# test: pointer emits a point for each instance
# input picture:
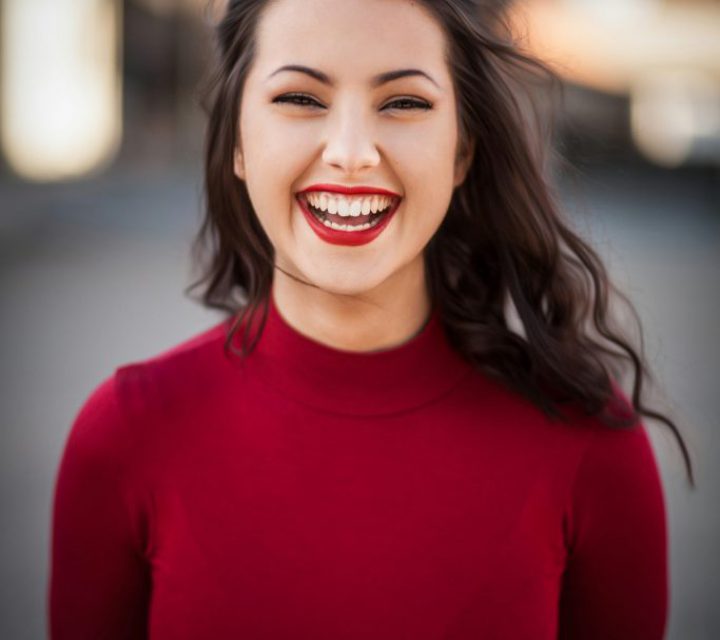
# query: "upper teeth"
(348, 205)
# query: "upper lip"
(338, 188)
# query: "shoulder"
(579, 449)
(616, 539)
(617, 490)
(616, 460)
(137, 396)
(183, 373)
(616, 456)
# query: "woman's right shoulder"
(154, 388)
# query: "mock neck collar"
(370, 383)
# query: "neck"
(387, 316)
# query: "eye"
(403, 104)
(411, 102)
(299, 99)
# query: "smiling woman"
(424, 436)
(385, 121)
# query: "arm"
(616, 581)
(99, 582)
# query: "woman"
(369, 446)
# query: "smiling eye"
(302, 100)
(299, 99)
(414, 104)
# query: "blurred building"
(84, 81)
(643, 72)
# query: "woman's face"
(349, 131)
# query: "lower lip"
(352, 238)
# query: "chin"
(346, 286)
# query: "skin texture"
(373, 296)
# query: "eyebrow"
(376, 81)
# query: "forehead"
(350, 37)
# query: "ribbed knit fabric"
(316, 493)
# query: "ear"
(238, 164)
(463, 161)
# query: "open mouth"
(349, 218)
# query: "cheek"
(427, 173)
(280, 139)
(426, 151)
(281, 160)
(429, 190)
(275, 159)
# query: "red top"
(324, 494)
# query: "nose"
(350, 143)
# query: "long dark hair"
(503, 251)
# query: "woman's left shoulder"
(617, 459)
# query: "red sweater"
(323, 494)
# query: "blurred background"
(101, 194)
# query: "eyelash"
(292, 98)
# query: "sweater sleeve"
(616, 580)
(99, 584)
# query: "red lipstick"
(350, 191)
(343, 237)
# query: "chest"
(394, 537)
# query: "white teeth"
(350, 227)
(348, 205)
